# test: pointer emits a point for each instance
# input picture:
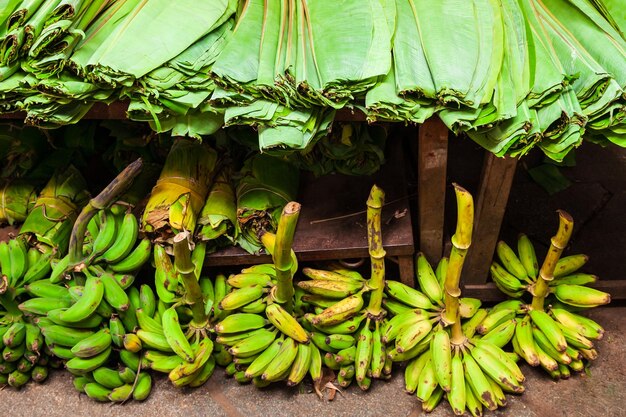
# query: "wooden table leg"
(490, 205)
(407, 271)
(431, 189)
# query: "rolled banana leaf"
(266, 185)
(350, 148)
(57, 207)
(17, 199)
(180, 192)
(218, 219)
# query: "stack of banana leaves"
(512, 75)
(265, 186)
(350, 148)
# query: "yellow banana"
(569, 264)
(286, 323)
(340, 311)
(580, 296)
(549, 328)
(526, 342)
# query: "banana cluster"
(519, 272)
(21, 264)
(417, 313)
(266, 343)
(557, 338)
(24, 355)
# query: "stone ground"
(596, 199)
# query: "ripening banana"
(175, 336)
(286, 323)
(124, 241)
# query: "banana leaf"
(265, 186)
(17, 199)
(350, 148)
(57, 206)
(218, 219)
(141, 45)
(22, 150)
(614, 12)
(180, 192)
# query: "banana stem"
(281, 255)
(557, 244)
(457, 337)
(103, 200)
(185, 267)
(376, 282)
(461, 241)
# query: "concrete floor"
(601, 393)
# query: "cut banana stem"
(375, 204)
(103, 200)
(281, 254)
(186, 269)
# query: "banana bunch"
(24, 355)
(518, 273)
(268, 346)
(21, 264)
(417, 313)
(555, 338)
(112, 239)
(472, 373)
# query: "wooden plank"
(407, 270)
(490, 205)
(431, 189)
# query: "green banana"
(107, 377)
(64, 336)
(569, 264)
(282, 362)
(46, 289)
(510, 261)
(135, 260)
(427, 382)
(154, 340)
(147, 300)
(580, 296)
(117, 331)
(583, 325)
(468, 307)
(203, 374)
(241, 296)
(34, 338)
(121, 394)
(457, 396)
(13, 354)
(255, 307)
(525, 341)
(127, 375)
(549, 328)
(501, 334)
(340, 311)
(93, 345)
(441, 356)
(41, 306)
(396, 324)
(130, 359)
(15, 334)
(331, 289)
(18, 255)
(494, 319)
(579, 278)
(428, 280)
(88, 302)
(17, 379)
(38, 270)
(379, 354)
(114, 294)
(243, 280)
(257, 367)
(363, 354)
(106, 235)
(527, 256)
(97, 392)
(286, 323)
(407, 295)
(253, 345)
(411, 335)
(478, 382)
(143, 386)
(81, 366)
(161, 362)
(147, 323)
(300, 365)
(202, 354)
(39, 373)
(505, 374)
(175, 336)
(413, 370)
(124, 241)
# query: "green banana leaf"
(57, 206)
(18, 198)
(265, 186)
(218, 219)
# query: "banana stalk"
(186, 269)
(546, 273)
(375, 204)
(281, 255)
(102, 201)
(219, 215)
(461, 241)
